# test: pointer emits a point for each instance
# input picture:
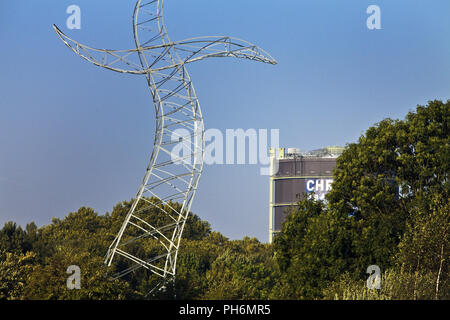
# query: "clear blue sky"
(73, 135)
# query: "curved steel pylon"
(168, 179)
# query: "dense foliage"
(388, 207)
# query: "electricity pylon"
(170, 181)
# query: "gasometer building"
(294, 174)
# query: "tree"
(15, 270)
(243, 270)
(365, 189)
(397, 284)
(12, 237)
(381, 201)
(381, 179)
(312, 249)
(425, 248)
(49, 281)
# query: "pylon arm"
(189, 50)
(195, 49)
(123, 61)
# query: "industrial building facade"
(294, 174)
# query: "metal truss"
(170, 183)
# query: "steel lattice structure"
(167, 180)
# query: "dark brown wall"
(306, 166)
(289, 190)
(280, 216)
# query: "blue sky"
(74, 135)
